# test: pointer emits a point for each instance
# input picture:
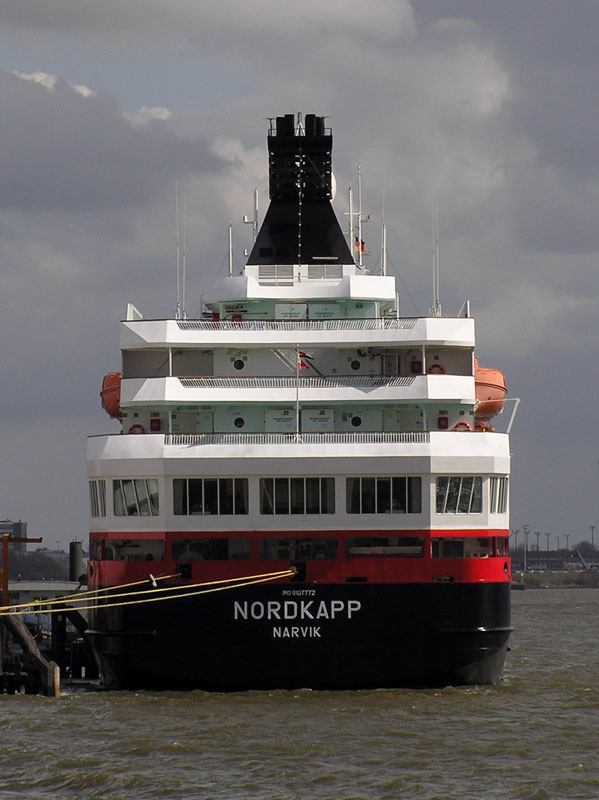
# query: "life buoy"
(462, 426)
(137, 428)
(436, 369)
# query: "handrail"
(290, 382)
(410, 437)
(298, 324)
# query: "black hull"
(301, 636)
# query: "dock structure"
(33, 654)
(27, 670)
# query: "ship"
(307, 488)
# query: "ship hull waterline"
(292, 636)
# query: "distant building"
(16, 529)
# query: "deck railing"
(298, 324)
(291, 382)
(412, 437)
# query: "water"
(533, 737)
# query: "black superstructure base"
(312, 636)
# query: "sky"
(108, 105)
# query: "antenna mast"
(183, 300)
(436, 308)
(360, 259)
(352, 235)
(254, 221)
(178, 299)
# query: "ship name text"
(295, 609)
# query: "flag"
(302, 360)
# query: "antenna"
(178, 303)
(352, 242)
(300, 192)
(183, 301)
(254, 221)
(384, 233)
(360, 260)
(230, 250)
(436, 308)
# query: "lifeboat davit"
(490, 390)
(111, 395)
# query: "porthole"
(238, 363)
(356, 421)
(239, 422)
(356, 365)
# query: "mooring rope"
(215, 586)
(88, 594)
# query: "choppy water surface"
(534, 737)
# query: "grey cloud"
(63, 151)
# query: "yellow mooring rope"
(179, 593)
(88, 594)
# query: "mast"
(360, 254)
(177, 260)
(183, 266)
(436, 308)
(352, 235)
(254, 221)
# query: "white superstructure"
(377, 394)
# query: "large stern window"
(297, 495)
(210, 496)
(459, 495)
(384, 495)
(135, 497)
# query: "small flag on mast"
(301, 363)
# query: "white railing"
(413, 437)
(297, 324)
(291, 382)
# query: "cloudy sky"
(108, 104)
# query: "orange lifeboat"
(111, 395)
(490, 390)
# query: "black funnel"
(300, 226)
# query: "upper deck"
(262, 332)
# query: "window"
(95, 549)
(297, 495)
(210, 549)
(97, 497)
(210, 496)
(447, 548)
(132, 549)
(135, 497)
(397, 495)
(406, 546)
(498, 495)
(297, 549)
(503, 549)
(459, 495)
(470, 547)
